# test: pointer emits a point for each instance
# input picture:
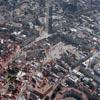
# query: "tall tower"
(91, 4)
(74, 4)
(48, 25)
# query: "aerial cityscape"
(49, 49)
